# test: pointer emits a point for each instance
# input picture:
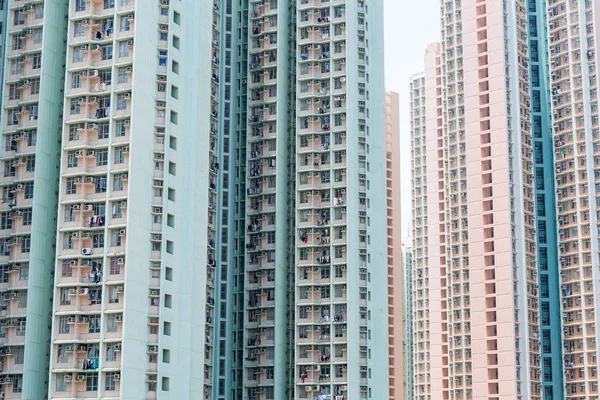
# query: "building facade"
(395, 253)
(208, 215)
(483, 291)
(512, 96)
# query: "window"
(36, 61)
(35, 86)
(78, 29)
(26, 244)
(39, 11)
(79, 5)
(111, 323)
(62, 356)
(123, 76)
(14, 93)
(119, 155)
(107, 52)
(118, 183)
(30, 164)
(19, 355)
(111, 354)
(101, 184)
(165, 384)
(65, 299)
(116, 238)
(61, 384)
(77, 54)
(24, 272)
(122, 101)
(16, 67)
(98, 240)
(110, 381)
(94, 324)
(113, 295)
(91, 383)
(18, 379)
(72, 160)
(124, 49)
(109, 4)
(115, 267)
(101, 158)
(124, 27)
(63, 325)
(75, 107)
(22, 299)
(71, 187)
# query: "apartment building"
(209, 201)
(419, 294)
(482, 274)
(573, 86)
(31, 122)
(395, 252)
(340, 207)
(407, 324)
(545, 206)
(134, 285)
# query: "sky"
(410, 25)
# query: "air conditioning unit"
(93, 99)
(90, 179)
(81, 99)
(75, 235)
(92, 126)
(86, 251)
(79, 153)
(130, 16)
(162, 77)
(120, 289)
(163, 27)
(122, 232)
(154, 292)
(68, 378)
(120, 261)
(80, 378)
(95, 47)
(91, 153)
(76, 207)
(85, 21)
(152, 349)
(118, 317)
(124, 177)
(126, 149)
(159, 156)
(123, 204)
(89, 207)
(130, 42)
(117, 347)
(156, 237)
(164, 2)
(157, 210)
(127, 95)
(94, 72)
(71, 320)
(127, 122)
(69, 348)
(117, 377)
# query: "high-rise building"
(483, 316)
(394, 248)
(419, 293)
(407, 324)
(32, 58)
(573, 91)
(136, 295)
(209, 214)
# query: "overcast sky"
(410, 25)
